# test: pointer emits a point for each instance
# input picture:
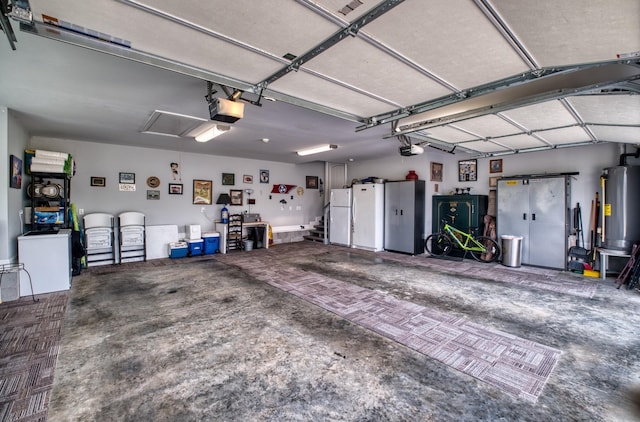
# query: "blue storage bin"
(211, 243)
(195, 247)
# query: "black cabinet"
(50, 202)
(464, 212)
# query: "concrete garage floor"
(213, 338)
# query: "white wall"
(587, 161)
(13, 139)
(96, 159)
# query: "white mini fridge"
(368, 216)
(340, 217)
(47, 258)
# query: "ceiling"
(484, 77)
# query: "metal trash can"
(511, 250)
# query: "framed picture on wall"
(312, 182)
(247, 178)
(16, 172)
(175, 188)
(153, 194)
(467, 170)
(228, 179)
(98, 181)
(493, 181)
(436, 172)
(495, 166)
(126, 177)
(264, 176)
(236, 196)
(202, 191)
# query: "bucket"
(248, 245)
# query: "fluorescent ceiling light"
(212, 132)
(315, 150)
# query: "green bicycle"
(481, 248)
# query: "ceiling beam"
(513, 83)
(349, 31)
(84, 41)
(506, 32)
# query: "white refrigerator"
(340, 217)
(368, 216)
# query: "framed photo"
(153, 194)
(467, 170)
(236, 196)
(264, 176)
(127, 177)
(247, 178)
(436, 172)
(175, 188)
(16, 172)
(493, 181)
(228, 179)
(98, 181)
(202, 191)
(495, 166)
(312, 182)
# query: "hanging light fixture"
(315, 150)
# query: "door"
(340, 226)
(547, 231)
(513, 212)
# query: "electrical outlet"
(21, 212)
(202, 210)
(80, 211)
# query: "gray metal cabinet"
(536, 209)
(404, 203)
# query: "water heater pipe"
(623, 157)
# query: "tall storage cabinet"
(404, 203)
(536, 209)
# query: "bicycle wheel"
(438, 244)
(492, 253)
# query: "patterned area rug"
(29, 343)
(514, 365)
